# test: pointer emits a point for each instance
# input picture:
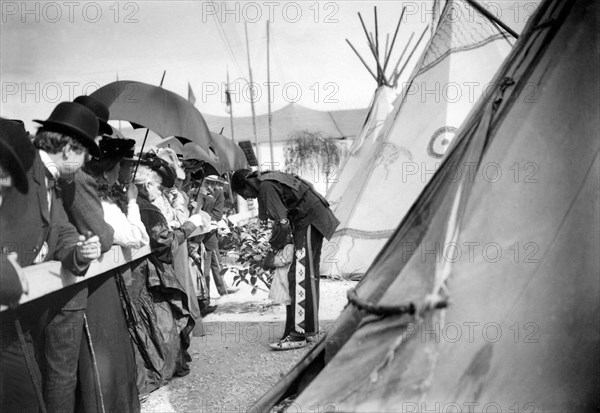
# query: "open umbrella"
(193, 151)
(231, 156)
(155, 108)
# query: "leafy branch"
(250, 243)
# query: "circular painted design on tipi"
(440, 141)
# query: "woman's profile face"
(112, 175)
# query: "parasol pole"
(252, 98)
(119, 119)
(269, 99)
(145, 136)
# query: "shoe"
(288, 344)
(207, 309)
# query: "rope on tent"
(387, 310)
(379, 309)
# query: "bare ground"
(232, 364)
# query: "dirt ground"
(232, 364)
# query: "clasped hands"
(88, 249)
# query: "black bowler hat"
(76, 121)
(99, 109)
(16, 152)
(115, 148)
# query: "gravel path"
(232, 364)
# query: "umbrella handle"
(140, 157)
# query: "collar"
(49, 164)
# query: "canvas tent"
(516, 326)
(288, 120)
(358, 156)
(459, 61)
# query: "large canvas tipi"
(458, 63)
(487, 297)
(361, 151)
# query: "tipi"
(365, 142)
(456, 66)
(487, 297)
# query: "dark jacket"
(83, 206)
(213, 204)
(284, 196)
(25, 224)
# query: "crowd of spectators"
(69, 193)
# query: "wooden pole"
(362, 60)
(411, 53)
(252, 98)
(372, 47)
(228, 97)
(376, 39)
(492, 18)
(270, 116)
(387, 57)
(402, 55)
(119, 119)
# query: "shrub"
(250, 243)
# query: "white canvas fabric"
(520, 329)
(455, 69)
(360, 155)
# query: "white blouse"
(129, 229)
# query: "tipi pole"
(389, 54)
(402, 54)
(376, 39)
(492, 18)
(411, 53)
(372, 47)
(362, 60)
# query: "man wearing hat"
(36, 227)
(212, 200)
(100, 110)
(19, 373)
(292, 203)
(65, 141)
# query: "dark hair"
(238, 180)
(54, 142)
(96, 167)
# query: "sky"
(55, 51)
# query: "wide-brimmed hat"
(76, 121)
(215, 178)
(161, 167)
(16, 152)
(169, 155)
(99, 109)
